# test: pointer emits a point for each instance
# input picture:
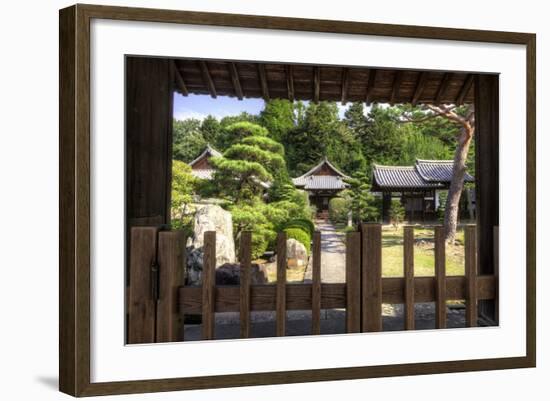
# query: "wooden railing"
(158, 300)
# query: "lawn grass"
(392, 252)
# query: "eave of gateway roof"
(438, 170)
(401, 177)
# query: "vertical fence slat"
(471, 275)
(141, 305)
(246, 256)
(171, 258)
(281, 285)
(408, 272)
(316, 285)
(440, 283)
(353, 282)
(208, 285)
(496, 271)
(371, 263)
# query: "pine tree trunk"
(457, 183)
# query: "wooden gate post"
(209, 285)
(408, 273)
(371, 277)
(353, 282)
(171, 258)
(281, 285)
(470, 259)
(440, 280)
(141, 306)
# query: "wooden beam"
(370, 86)
(396, 84)
(290, 82)
(207, 78)
(333, 295)
(465, 89)
(316, 84)
(420, 84)
(236, 81)
(179, 79)
(443, 87)
(345, 84)
(263, 81)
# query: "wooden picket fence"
(158, 300)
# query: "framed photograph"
(250, 200)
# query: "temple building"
(417, 187)
(323, 182)
(201, 166)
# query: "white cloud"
(184, 113)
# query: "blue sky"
(200, 106)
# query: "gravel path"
(333, 254)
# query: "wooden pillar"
(487, 176)
(149, 109)
(386, 205)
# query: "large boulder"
(230, 274)
(296, 254)
(209, 217)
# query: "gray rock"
(209, 217)
(296, 254)
(230, 274)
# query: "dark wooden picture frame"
(74, 296)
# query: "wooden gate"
(157, 298)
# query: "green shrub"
(299, 235)
(304, 224)
(397, 212)
(338, 209)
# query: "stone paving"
(333, 254)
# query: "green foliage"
(319, 133)
(303, 224)
(188, 141)
(250, 218)
(338, 209)
(418, 146)
(183, 187)
(265, 143)
(244, 116)
(237, 131)
(397, 213)
(278, 117)
(211, 130)
(239, 180)
(299, 235)
(364, 205)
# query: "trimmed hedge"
(338, 209)
(304, 224)
(299, 235)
